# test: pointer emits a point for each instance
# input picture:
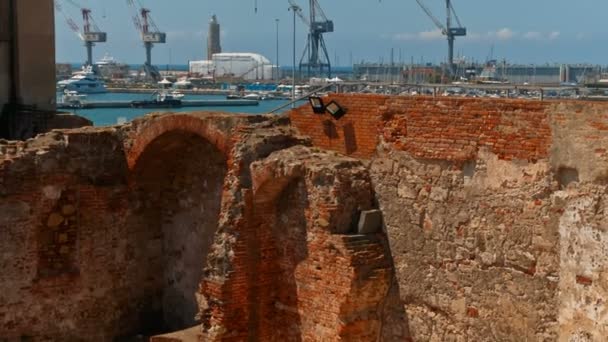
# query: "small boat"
(73, 99)
(233, 97)
(85, 81)
(268, 96)
(252, 96)
(163, 99)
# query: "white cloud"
(554, 35)
(533, 35)
(431, 35)
(505, 34)
(420, 36)
(502, 34)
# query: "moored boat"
(84, 81)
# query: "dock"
(188, 103)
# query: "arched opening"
(175, 207)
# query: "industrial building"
(550, 74)
(380, 72)
(241, 65)
(541, 74)
(246, 66)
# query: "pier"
(188, 103)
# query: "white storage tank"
(249, 66)
(201, 68)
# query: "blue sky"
(522, 31)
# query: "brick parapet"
(430, 128)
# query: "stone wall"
(225, 223)
(107, 238)
(231, 227)
(494, 211)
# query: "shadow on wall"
(175, 209)
(348, 138)
(283, 237)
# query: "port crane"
(90, 33)
(315, 56)
(451, 32)
(150, 35)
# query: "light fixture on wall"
(317, 104)
(335, 109)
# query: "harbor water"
(112, 116)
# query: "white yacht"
(108, 67)
(84, 81)
(73, 99)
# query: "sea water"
(113, 116)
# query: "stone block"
(68, 210)
(54, 220)
(370, 221)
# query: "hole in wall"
(566, 176)
(468, 169)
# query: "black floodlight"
(317, 104)
(335, 109)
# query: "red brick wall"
(316, 281)
(355, 134)
(430, 128)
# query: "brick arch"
(152, 129)
(317, 269)
(178, 166)
(269, 182)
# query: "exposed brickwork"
(431, 128)
(317, 281)
(235, 228)
(355, 134)
(148, 197)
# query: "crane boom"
(447, 30)
(299, 13)
(150, 35)
(315, 56)
(90, 33)
(71, 24)
(431, 16)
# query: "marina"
(141, 104)
(101, 116)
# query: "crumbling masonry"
(225, 227)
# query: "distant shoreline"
(185, 91)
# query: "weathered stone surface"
(495, 217)
(55, 219)
(494, 210)
(13, 211)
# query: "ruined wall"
(308, 205)
(106, 229)
(224, 223)
(494, 211)
(493, 225)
